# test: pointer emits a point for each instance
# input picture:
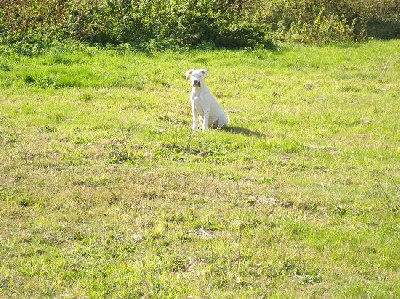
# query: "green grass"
(105, 192)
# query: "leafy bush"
(324, 29)
(130, 21)
(322, 21)
(31, 24)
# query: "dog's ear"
(205, 72)
(188, 73)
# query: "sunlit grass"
(106, 192)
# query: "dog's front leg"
(195, 119)
(205, 120)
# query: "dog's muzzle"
(196, 83)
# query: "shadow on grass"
(243, 131)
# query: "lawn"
(106, 192)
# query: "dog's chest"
(198, 101)
(196, 97)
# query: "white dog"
(203, 103)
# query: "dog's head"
(197, 77)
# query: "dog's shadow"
(243, 131)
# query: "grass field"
(105, 192)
